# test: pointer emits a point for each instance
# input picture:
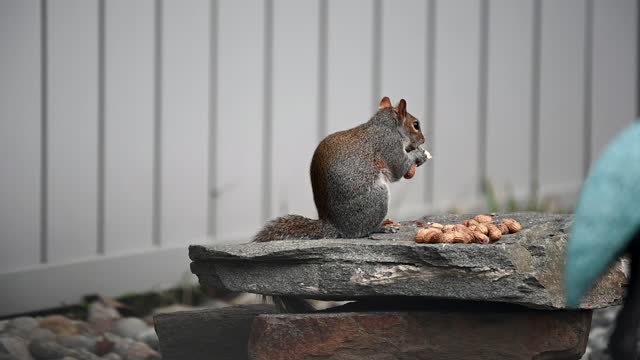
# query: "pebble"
(60, 325)
(14, 346)
(40, 333)
(22, 324)
(149, 337)
(47, 349)
(141, 351)
(78, 342)
(130, 327)
(112, 356)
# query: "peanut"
(503, 228)
(494, 234)
(411, 172)
(483, 218)
(482, 228)
(513, 225)
(448, 227)
(480, 238)
(429, 236)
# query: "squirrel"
(350, 175)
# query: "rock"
(103, 346)
(524, 268)
(197, 334)
(22, 324)
(78, 342)
(3, 324)
(149, 337)
(82, 354)
(599, 338)
(60, 325)
(121, 345)
(47, 349)
(605, 317)
(130, 327)
(14, 346)
(141, 351)
(112, 356)
(438, 334)
(40, 333)
(101, 317)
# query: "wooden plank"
(19, 134)
(240, 117)
(508, 140)
(456, 103)
(185, 121)
(295, 101)
(350, 52)
(73, 95)
(402, 76)
(614, 68)
(128, 125)
(561, 96)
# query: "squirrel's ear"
(402, 108)
(385, 103)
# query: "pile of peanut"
(480, 230)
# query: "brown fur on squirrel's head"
(410, 125)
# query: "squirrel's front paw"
(421, 155)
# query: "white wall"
(181, 121)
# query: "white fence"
(130, 129)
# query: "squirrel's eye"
(416, 125)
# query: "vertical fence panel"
(561, 96)
(456, 102)
(184, 121)
(128, 124)
(614, 70)
(402, 74)
(509, 97)
(350, 58)
(19, 134)
(73, 130)
(295, 97)
(240, 117)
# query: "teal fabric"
(607, 216)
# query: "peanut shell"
(480, 238)
(513, 225)
(429, 236)
(503, 228)
(494, 234)
(482, 228)
(483, 218)
(411, 172)
(448, 227)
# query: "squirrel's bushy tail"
(296, 227)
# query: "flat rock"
(436, 334)
(525, 268)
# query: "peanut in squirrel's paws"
(411, 173)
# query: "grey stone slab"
(525, 268)
(207, 334)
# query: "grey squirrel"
(350, 174)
